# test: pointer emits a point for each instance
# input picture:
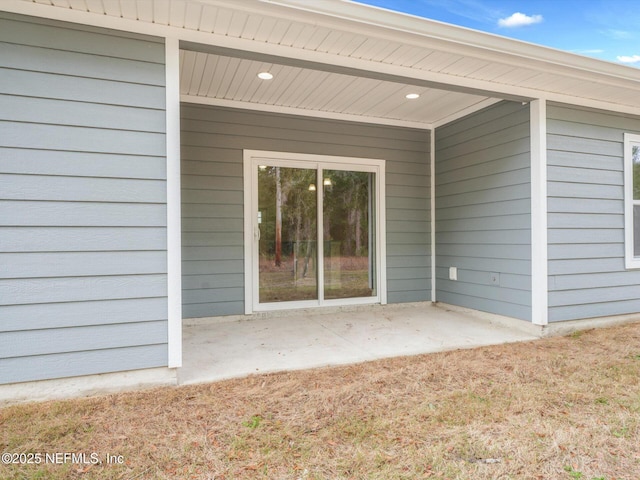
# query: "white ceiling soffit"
(334, 39)
(229, 81)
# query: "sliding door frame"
(251, 160)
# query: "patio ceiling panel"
(232, 79)
(218, 68)
(331, 86)
(342, 100)
(385, 105)
(275, 90)
(290, 82)
(305, 83)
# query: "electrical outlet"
(453, 273)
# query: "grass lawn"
(345, 277)
(559, 408)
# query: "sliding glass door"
(314, 232)
(287, 243)
(348, 234)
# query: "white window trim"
(631, 261)
(253, 158)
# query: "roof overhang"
(343, 60)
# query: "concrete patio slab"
(217, 349)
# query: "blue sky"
(604, 29)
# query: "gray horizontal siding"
(483, 219)
(212, 194)
(78, 314)
(84, 362)
(80, 89)
(69, 113)
(62, 137)
(82, 239)
(96, 337)
(72, 289)
(81, 214)
(587, 275)
(35, 32)
(83, 288)
(65, 62)
(82, 189)
(83, 164)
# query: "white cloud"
(519, 19)
(627, 59)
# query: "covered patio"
(490, 177)
(230, 347)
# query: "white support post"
(174, 244)
(432, 163)
(539, 256)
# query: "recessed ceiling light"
(412, 96)
(265, 76)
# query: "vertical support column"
(432, 212)
(251, 231)
(174, 244)
(539, 256)
(381, 225)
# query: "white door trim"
(432, 210)
(251, 160)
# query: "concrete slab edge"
(329, 310)
(557, 329)
(554, 329)
(86, 385)
(509, 322)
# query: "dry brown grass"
(559, 408)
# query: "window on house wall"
(632, 199)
